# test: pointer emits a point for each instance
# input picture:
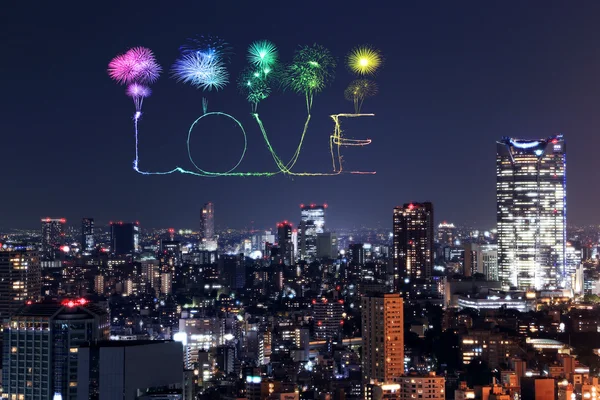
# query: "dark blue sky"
(457, 77)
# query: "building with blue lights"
(531, 212)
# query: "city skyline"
(440, 109)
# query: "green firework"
(255, 85)
(358, 90)
(310, 71)
(263, 54)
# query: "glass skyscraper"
(312, 222)
(207, 222)
(531, 212)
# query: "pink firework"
(138, 93)
(122, 69)
(146, 68)
(137, 65)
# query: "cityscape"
(423, 309)
(334, 200)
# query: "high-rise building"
(413, 242)
(207, 222)
(20, 278)
(286, 246)
(87, 235)
(327, 245)
(123, 369)
(41, 342)
(124, 238)
(446, 233)
(531, 212)
(53, 236)
(383, 337)
(481, 259)
(327, 314)
(312, 222)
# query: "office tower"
(356, 254)
(446, 233)
(124, 238)
(284, 241)
(207, 222)
(327, 314)
(312, 222)
(150, 272)
(413, 242)
(53, 236)
(122, 369)
(481, 259)
(87, 235)
(383, 337)
(327, 245)
(20, 278)
(259, 241)
(531, 212)
(41, 342)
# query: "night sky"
(457, 77)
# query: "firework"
(263, 54)
(122, 69)
(136, 65)
(210, 46)
(310, 72)
(147, 70)
(201, 71)
(138, 93)
(364, 60)
(358, 91)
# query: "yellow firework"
(364, 60)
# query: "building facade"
(312, 222)
(124, 238)
(53, 236)
(383, 337)
(87, 235)
(20, 278)
(413, 242)
(284, 241)
(531, 212)
(207, 222)
(41, 342)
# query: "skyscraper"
(383, 337)
(41, 342)
(207, 222)
(87, 235)
(124, 237)
(446, 233)
(20, 277)
(413, 242)
(53, 236)
(312, 222)
(284, 241)
(531, 212)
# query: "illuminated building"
(20, 278)
(124, 238)
(327, 316)
(122, 369)
(150, 272)
(413, 242)
(207, 222)
(531, 212)
(493, 348)
(481, 259)
(428, 386)
(41, 345)
(284, 241)
(356, 254)
(53, 236)
(99, 284)
(383, 337)
(312, 222)
(87, 235)
(446, 233)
